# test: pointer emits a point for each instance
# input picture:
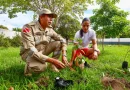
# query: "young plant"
(80, 58)
(78, 44)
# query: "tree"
(109, 20)
(126, 32)
(3, 27)
(60, 7)
(68, 26)
(17, 29)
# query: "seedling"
(78, 44)
(80, 59)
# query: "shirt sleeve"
(57, 37)
(27, 37)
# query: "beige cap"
(46, 11)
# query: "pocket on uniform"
(37, 39)
(24, 56)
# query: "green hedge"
(7, 42)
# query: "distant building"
(9, 33)
(115, 41)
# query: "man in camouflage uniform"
(37, 45)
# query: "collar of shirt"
(39, 26)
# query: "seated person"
(85, 35)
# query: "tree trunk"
(119, 41)
(103, 42)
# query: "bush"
(15, 42)
(1, 39)
(3, 27)
(7, 42)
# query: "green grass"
(109, 62)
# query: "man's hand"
(56, 62)
(64, 60)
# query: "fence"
(115, 41)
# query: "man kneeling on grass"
(82, 38)
(37, 44)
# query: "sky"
(123, 5)
(22, 19)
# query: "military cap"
(46, 11)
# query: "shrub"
(15, 42)
(7, 42)
(1, 39)
(3, 27)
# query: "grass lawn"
(109, 62)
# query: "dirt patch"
(116, 84)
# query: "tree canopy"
(3, 27)
(60, 7)
(109, 19)
(68, 26)
(17, 29)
